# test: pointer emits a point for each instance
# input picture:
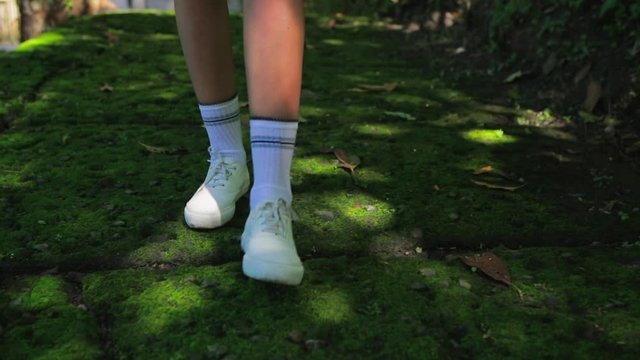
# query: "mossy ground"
(81, 197)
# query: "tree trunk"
(33, 18)
(37, 15)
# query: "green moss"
(371, 307)
(40, 322)
(488, 137)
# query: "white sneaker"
(214, 203)
(267, 240)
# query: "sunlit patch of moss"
(489, 137)
(46, 39)
(176, 243)
(331, 305)
(379, 129)
(56, 328)
(413, 100)
(42, 292)
(313, 165)
(160, 305)
(333, 42)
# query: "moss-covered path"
(101, 145)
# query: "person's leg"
(205, 36)
(273, 43)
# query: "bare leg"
(205, 36)
(206, 41)
(273, 45)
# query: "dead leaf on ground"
(513, 77)
(111, 37)
(550, 64)
(582, 73)
(401, 115)
(497, 186)
(347, 161)
(106, 88)
(490, 264)
(388, 87)
(594, 92)
(484, 169)
(493, 178)
(633, 148)
(160, 149)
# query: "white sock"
(272, 143)
(222, 121)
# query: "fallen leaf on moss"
(464, 283)
(490, 264)
(493, 178)
(550, 64)
(377, 88)
(347, 161)
(497, 186)
(594, 92)
(401, 115)
(584, 71)
(106, 88)
(633, 148)
(159, 149)
(513, 77)
(484, 169)
(111, 37)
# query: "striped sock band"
(222, 122)
(272, 144)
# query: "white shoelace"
(221, 170)
(272, 217)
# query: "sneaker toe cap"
(264, 247)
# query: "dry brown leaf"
(582, 73)
(106, 88)
(159, 149)
(594, 92)
(111, 37)
(497, 186)
(550, 64)
(484, 169)
(490, 264)
(513, 77)
(381, 88)
(633, 148)
(346, 161)
(492, 172)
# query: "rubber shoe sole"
(286, 274)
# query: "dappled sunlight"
(334, 42)
(160, 305)
(329, 305)
(380, 129)
(489, 137)
(46, 39)
(42, 292)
